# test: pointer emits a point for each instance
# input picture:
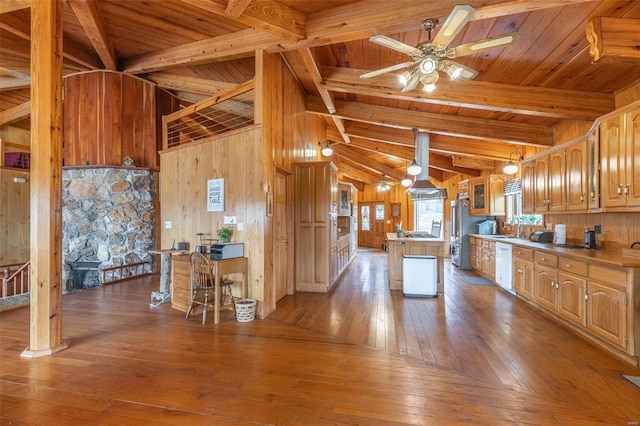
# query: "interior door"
(282, 250)
(366, 230)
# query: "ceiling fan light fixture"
(404, 78)
(326, 150)
(454, 72)
(383, 186)
(414, 169)
(429, 81)
(406, 182)
(412, 81)
(428, 65)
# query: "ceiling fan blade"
(460, 15)
(387, 69)
(464, 73)
(394, 44)
(486, 44)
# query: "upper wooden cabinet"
(486, 195)
(559, 181)
(620, 157)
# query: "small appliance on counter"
(560, 234)
(541, 237)
(227, 251)
(488, 227)
(589, 239)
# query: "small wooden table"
(165, 273)
(223, 267)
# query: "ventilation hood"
(422, 188)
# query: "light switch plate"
(240, 226)
(167, 225)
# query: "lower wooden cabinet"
(609, 311)
(523, 271)
(489, 259)
(570, 303)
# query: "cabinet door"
(556, 181)
(571, 294)
(545, 287)
(612, 153)
(593, 144)
(607, 313)
(479, 199)
(523, 277)
(489, 263)
(540, 185)
(577, 176)
(396, 251)
(527, 187)
(632, 186)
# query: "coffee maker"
(589, 239)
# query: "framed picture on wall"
(395, 209)
(215, 195)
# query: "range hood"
(422, 188)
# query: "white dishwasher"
(504, 266)
(419, 275)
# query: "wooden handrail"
(21, 276)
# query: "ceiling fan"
(434, 55)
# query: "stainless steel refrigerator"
(462, 224)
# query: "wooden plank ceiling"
(198, 48)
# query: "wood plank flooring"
(359, 355)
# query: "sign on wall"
(215, 195)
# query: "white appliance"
(419, 275)
(504, 268)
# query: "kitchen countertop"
(392, 236)
(611, 257)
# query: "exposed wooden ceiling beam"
(534, 101)
(361, 20)
(12, 83)
(491, 150)
(189, 84)
(352, 154)
(355, 182)
(354, 170)
(613, 38)
(229, 46)
(518, 133)
(16, 113)
(270, 16)
(90, 17)
(236, 7)
(7, 6)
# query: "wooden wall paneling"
(628, 95)
(114, 118)
(183, 186)
(618, 229)
(568, 130)
(14, 216)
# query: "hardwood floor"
(359, 355)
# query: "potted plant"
(224, 234)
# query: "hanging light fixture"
(511, 167)
(326, 150)
(406, 182)
(383, 185)
(414, 169)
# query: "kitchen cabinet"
(620, 157)
(609, 311)
(316, 213)
(486, 195)
(522, 271)
(475, 247)
(559, 181)
(397, 247)
(489, 259)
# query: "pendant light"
(406, 182)
(414, 169)
(326, 150)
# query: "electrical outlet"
(549, 227)
(598, 229)
(240, 226)
(167, 225)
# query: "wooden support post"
(46, 179)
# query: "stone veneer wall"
(108, 216)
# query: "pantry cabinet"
(620, 159)
(316, 215)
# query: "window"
(366, 224)
(379, 211)
(426, 212)
(514, 212)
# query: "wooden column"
(46, 179)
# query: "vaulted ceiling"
(198, 48)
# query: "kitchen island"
(399, 246)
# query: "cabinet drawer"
(523, 253)
(472, 240)
(608, 275)
(485, 243)
(180, 295)
(181, 267)
(571, 265)
(546, 259)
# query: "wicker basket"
(246, 310)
